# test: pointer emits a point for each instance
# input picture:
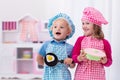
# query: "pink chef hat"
(93, 15)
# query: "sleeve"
(76, 49)
(42, 50)
(69, 50)
(108, 51)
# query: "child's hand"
(68, 61)
(40, 60)
(103, 60)
(82, 56)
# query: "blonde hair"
(98, 33)
(69, 27)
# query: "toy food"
(51, 59)
(94, 54)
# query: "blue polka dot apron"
(59, 71)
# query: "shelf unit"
(24, 60)
(9, 29)
(21, 56)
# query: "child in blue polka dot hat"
(55, 54)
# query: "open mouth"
(58, 33)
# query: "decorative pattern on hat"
(93, 15)
(67, 18)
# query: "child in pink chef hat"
(93, 37)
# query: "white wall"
(42, 9)
(115, 71)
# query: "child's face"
(60, 29)
(87, 28)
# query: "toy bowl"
(94, 54)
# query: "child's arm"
(41, 53)
(40, 60)
(76, 50)
(107, 48)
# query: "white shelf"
(22, 59)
